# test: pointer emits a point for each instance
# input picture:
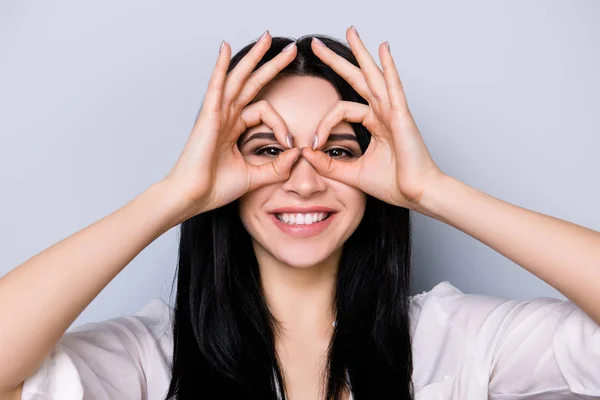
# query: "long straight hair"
(223, 331)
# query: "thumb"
(275, 171)
(345, 172)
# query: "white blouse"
(464, 347)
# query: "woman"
(293, 193)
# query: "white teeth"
(302, 219)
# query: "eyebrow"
(333, 137)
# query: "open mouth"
(297, 219)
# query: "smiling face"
(281, 217)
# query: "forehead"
(302, 101)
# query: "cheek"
(251, 204)
(246, 205)
(359, 203)
(354, 200)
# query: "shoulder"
(479, 317)
(433, 302)
(446, 359)
(156, 315)
(153, 325)
(460, 339)
(124, 357)
(150, 325)
(480, 313)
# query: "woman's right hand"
(211, 171)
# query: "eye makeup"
(273, 151)
(347, 151)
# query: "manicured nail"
(314, 143)
(264, 35)
(388, 45)
(222, 45)
(354, 29)
(289, 140)
(289, 47)
(317, 41)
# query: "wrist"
(173, 208)
(432, 203)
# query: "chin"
(301, 255)
(301, 262)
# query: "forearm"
(563, 254)
(42, 297)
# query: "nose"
(304, 180)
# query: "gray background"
(97, 100)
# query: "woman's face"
(281, 217)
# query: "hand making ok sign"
(396, 167)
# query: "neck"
(301, 299)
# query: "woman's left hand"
(396, 167)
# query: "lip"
(303, 230)
(302, 210)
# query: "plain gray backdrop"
(97, 100)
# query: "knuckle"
(240, 104)
(340, 110)
(376, 96)
(214, 84)
(378, 108)
(240, 125)
(269, 70)
(250, 90)
(234, 81)
(236, 105)
(372, 99)
(227, 98)
(263, 105)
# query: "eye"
(338, 152)
(269, 151)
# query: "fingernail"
(388, 45)
(354, 29)
(264, 35)
(289, 47)
(317, 41)
(314, 143)
(222, 45)
(289, 140)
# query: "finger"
(342, 171)
(214, 92)
(350, 72)
(263, 112)
(392, 78)
(237, 77)
(373, 75)
(276, 171)
(342, 111)
(259, 78)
